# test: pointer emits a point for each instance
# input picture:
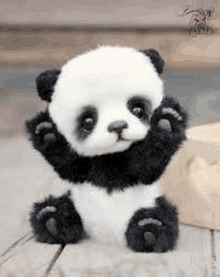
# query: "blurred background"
(37, 35)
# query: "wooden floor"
(197, 254)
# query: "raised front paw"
(170, 116)
(56, 221)
(153, 229)
(45, 130)
(42, 131)
(165, 123)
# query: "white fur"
(106, 217)
(105, 78)
(101, 141)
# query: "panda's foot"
(56, 221)
(170, 116)
(153, 229)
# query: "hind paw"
(56, 221)
(152, 230)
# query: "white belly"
(105, 217)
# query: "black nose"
(117, 126)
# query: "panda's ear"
(45, 83)
(156, 59)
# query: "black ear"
(156, 59)
(45, 83)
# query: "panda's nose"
(117, 126)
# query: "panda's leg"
(153, 229)
(56, 221)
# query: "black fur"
(45, 83)
(159, 238)
(66, 226)
(144, 162)
(58, 153)
(156, 59)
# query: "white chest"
(105, 217)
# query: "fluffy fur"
(110, 132)
(101, 79)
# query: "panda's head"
(102, 101)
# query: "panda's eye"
(140, 107)
(138, 111)
(88, 124)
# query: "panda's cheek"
(135, 132)
(95, 139)
(95, 146)
(104, 140)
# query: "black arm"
(55, 149)
(152, 155)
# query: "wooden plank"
(216, 252)
(13, 247)
(29, 259)
(198, 242)
(191, 258)
(195, 239)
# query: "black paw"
(170, 116)
(45, 130)
(153, 229)
(56, 221)
(42, 130)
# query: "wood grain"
(31, 259)
(192, 258)
(216, 254)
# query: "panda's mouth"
(120, 138)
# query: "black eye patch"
(140, 107)
(86, 122)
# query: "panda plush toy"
(109, 132)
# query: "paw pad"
(45, 210)
(51, 226)
(165, 124)
(149, 221)
(49, 138)
(172, 112)
(43, 125)
(150, 239)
